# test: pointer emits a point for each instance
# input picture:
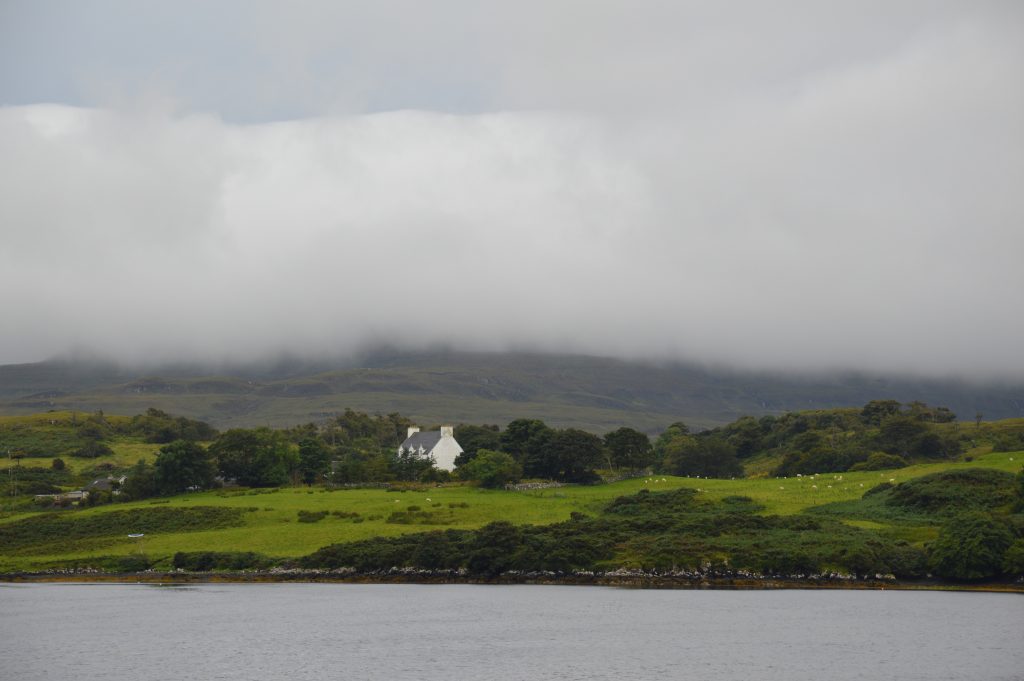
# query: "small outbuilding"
(440, 444)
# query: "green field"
(271, 526)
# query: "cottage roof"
(427, 440)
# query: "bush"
(880, 461)
(709, 458)
(207, 561)
(955, 490)
(311, 516)
(491, 469)
(1013, 560)
(879, 488)
(64, 530)
(133, 563)
(972, 546)
(434, 474)
(1008, 443)
(92, 450)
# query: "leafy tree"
(745, 436)
(386, 432)
(876, 411)
(314, 459)
(160, 427)
(936, 446)
(527, 440)
(971, 546)
(899, 434)
(58, 464)
(474, 438)
(807, 441)
(524, 437)
(1013, 560)
(922, 412)
(628, 448)
(822, 459)
(491, 469)
(674, 431)
(409, 466)
(255, 458)
(711, 458)
(572, 456)
(183, 465)
(140, 483)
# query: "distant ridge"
(594, 393)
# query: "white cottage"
(440, 444)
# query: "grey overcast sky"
(786, 185)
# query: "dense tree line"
(883, 434)
(154, 426)
(567, 455)
(356, 447)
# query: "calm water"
(385, 632)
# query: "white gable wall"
(444, 453)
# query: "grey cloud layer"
(829, 190)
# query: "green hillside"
(854, 521)
(269, 519)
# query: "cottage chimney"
(412, 431)
(447, 431)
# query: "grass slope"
(273, 528)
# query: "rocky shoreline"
(618, 578)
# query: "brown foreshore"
(648, 581)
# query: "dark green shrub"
(491, 469)
(207, 561)
(1013, 560)
(880, 461)
(955, 490)
(92, 450)
(972, 546)
(311, 516)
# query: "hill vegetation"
(796, 494)
(590, 393)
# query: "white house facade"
(440, 444)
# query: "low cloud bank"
(871, 218)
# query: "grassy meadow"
(271, 526)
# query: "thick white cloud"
(790, 189)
